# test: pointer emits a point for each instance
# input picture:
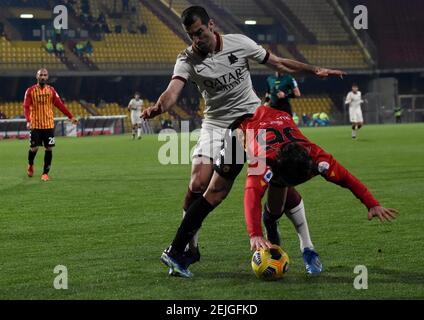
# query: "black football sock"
(192, 222)
(271, 226)
(31, 157)
(48, 156)
(269, 217)
(190, 198)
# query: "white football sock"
(353, 133)
(139, 132)
(194, 242)
(298, 218)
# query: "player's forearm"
(64, 110)
(296, 66)
(27, 106)
(252, 212)
(347, 180)
(254, 191)
(27, 113)
(167, 100)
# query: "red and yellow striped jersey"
(38, 106)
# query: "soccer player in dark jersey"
(280, 89)
(280, 157)
(38, 107)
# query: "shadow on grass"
(337, 274)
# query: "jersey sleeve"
(334, 172)
(182, 69)
(253, 50)
(348, 98)
(60, 105)
(27, 105)
(254, 191)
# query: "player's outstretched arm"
(167, 100)
(341, 176)
(384, 214)
(292, 66)
(253, 193)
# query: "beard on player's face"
(42, 81)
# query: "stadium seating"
(308, 105)
(311, 105)
(20, 55)
(283, 52)
(319, 18)
(159, 46)
(336, 56)
(179, 5)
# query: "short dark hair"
(293, 165)
(355, 85)
(137, 93)
(192, 14)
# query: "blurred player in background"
(280, 89)
(38, 107)
(135, 106)
(354, 101)
(219, 65)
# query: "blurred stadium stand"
(134, 49)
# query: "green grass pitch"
(110, 209)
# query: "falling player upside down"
(289, 159)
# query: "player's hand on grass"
(256, 243)
(323, 73)
(384, 214)
(152, 112)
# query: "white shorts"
(355, 115)
(210, 141)
(135, 117)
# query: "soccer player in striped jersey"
(38, 107)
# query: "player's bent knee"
(198, 185)
(293, 199)
(215, 196)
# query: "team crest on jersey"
(268, 176)
(233, 59)
(323, 167)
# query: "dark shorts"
(42, 137)
(232, 157)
